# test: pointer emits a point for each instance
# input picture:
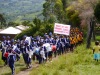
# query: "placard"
(62, 29)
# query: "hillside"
(21, 9)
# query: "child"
(42, 57)
(11, 61)
(96, 51)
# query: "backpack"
(6, 54)
(37, 51)
(53, 47)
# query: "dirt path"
(27, 71)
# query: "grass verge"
(80, 62)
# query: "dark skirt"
(50, 54)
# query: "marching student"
(3, 50)
(54, 46)
(61, 44)
(22, 48)
(72, 43)
(11, 61)
(67, 43)
(27, 55)
(16, 49)
(42, 57)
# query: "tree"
(73, 16)
(12, 24)
(60, 12)
(86, 13)
(2, 20)
(97, 12)
(37, 22)
(26, 23)
(48, 9)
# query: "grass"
(29, 17)
(98, 37)
(5, 70)
(80, 62)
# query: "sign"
(62, 29)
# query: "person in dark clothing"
(11, 61)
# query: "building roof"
(21, 27)
(1, 29)
(10, 30)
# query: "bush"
(27, 32)
(97, 12)
(45, 27)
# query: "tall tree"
(73, 16)
(2, 20)
(48, 11)
(86, 13)
(97, 12)
(12, 24)
(27, 23)
(60, 10)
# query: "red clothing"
(53, 48)
(6, 54)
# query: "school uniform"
(62, 45)
(11, 62)
(59, 47)
(63, 42)
(17, 50)
(46, 40)
(4, 48)
(67, 43)
(23, 50)
(42, 57)
(27, 56)
(36, 53)
(54, 43)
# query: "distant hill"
(19, 10)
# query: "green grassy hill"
(19, 10)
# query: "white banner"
(62, 29)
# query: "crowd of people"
(38, 48)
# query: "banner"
(62, 29)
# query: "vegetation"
(97, 10)
(2, 21)
(19, 10)
(36, 28)
(80, 62)
(77, 13)
(85, 11)
(5, 70)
